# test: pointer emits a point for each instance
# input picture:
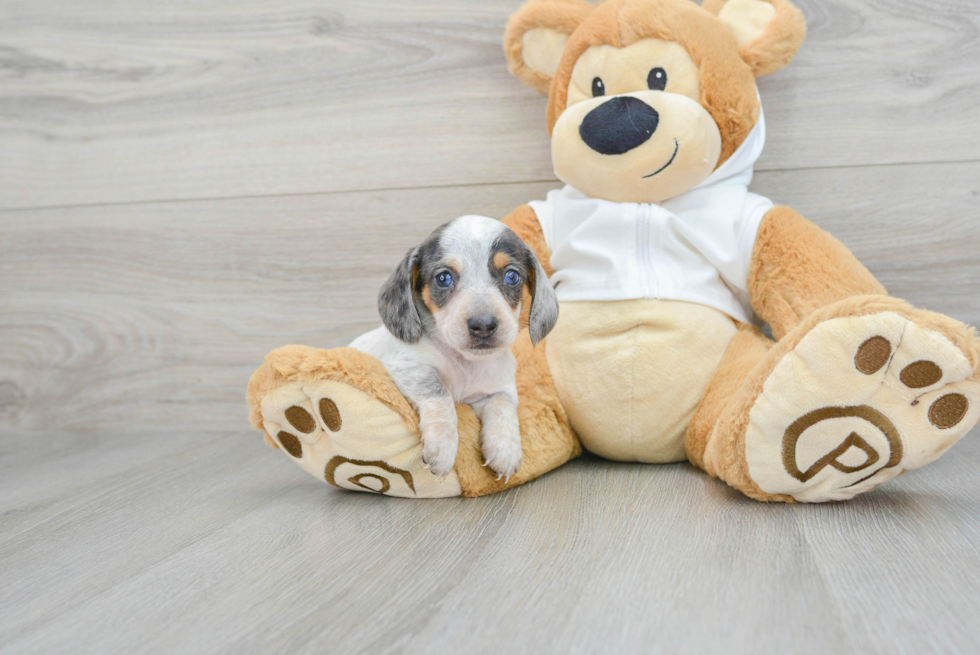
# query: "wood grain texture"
(103, 101)
(213, 545)
(156, 314)
(184, 186)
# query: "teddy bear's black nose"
(619, 125)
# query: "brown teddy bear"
(664, 263)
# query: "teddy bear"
(665, 266)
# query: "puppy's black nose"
(618, 125)
(483, 327)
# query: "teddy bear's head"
(648, 97)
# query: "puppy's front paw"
(439, 450)
(502, 449)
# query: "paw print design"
(879, 394)
(347, 438)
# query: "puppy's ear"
(544, 302)
(536, 36)
(396, 300)
(769, 32)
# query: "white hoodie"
(695, 247)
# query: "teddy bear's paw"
(351, 440)
(859, 401)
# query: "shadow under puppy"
(451, 310)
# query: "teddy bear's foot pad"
(859, 401)
(351, 440)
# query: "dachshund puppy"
(451, 310)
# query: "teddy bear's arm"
(797, 268)
(525, 224)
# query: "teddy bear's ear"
(769, 32)
(536, 36)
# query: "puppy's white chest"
(470, 381)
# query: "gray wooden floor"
(186, 185)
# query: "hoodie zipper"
(644, 257)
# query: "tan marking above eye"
(625, 70)
(948, 410)
(920, 374)
(872, 355)
(300, 419)
(500, 260)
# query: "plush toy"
(664, 263)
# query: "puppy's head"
(463, 287)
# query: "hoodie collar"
(743, 159)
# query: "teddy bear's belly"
(630, 373)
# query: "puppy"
(451, 310)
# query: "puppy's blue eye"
(513, 278)
(444, 280)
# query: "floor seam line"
(433, 187)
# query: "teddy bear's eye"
(598, 88)
(657, 79)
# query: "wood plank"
(229, 547)
(102, 532)
(156, 314)
(47, 474)
(139, 513)
(903, 565)
(375, 573)
(120, 102)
